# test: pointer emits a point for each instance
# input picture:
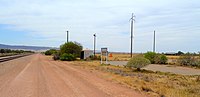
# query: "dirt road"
(39, 76)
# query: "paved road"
(40, 76)
(164, 68)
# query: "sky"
(45, 22)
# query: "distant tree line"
(4, 51)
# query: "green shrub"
(67, 57)
(189, 60)
(160, 59)
(151, 56)
(156, 58)
(47, 53)
(73, 48)
(50, 52)
(137, 62)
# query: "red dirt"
(39, 76)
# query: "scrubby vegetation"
(151, 56)
(3, 51)
(67, 57)
(153, 84)
(9, 52)
(68, 51)
(137, 62)
(155, 58)
(73, 48)
(160, 59)
(51, 52)
(189, 59)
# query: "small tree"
(137, 62)
(73, 48)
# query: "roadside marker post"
(104, 52)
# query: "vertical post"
(101, 57)
(154, 41)
(131, 38)
(106, 57)
(94, 44)
(67, 36)
(132, 33)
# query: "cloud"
(47, 21)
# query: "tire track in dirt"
(39, 76)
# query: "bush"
(151, 56)
(56, 56)
(137, 62)
(160, 59)
(156, 58)
(189, 60)
(67, 57)
(50, 52)
(73, 48)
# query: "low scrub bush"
(156, 58)
(189, 60)
(160, 59)
(151, 56)
(50, 52)
(56, 56)
(67, 57)
(137, 62)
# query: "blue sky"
(44, 22)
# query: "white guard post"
(104, 52)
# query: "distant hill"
(32, 48)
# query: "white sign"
(104, 52)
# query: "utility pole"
(94, 43)
(154, 41)
(67, 36)
(132, 33)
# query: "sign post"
(104, 52)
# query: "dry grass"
(119, 56)
(172, 57)
(154, 84)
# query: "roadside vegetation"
(189, 59)
(68, 52)
(153, 84)
(9, 52)
(50, 52)
(137, 62)
(156, 58)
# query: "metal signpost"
(104, 52)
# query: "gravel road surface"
(164, 68)
(39, 76)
